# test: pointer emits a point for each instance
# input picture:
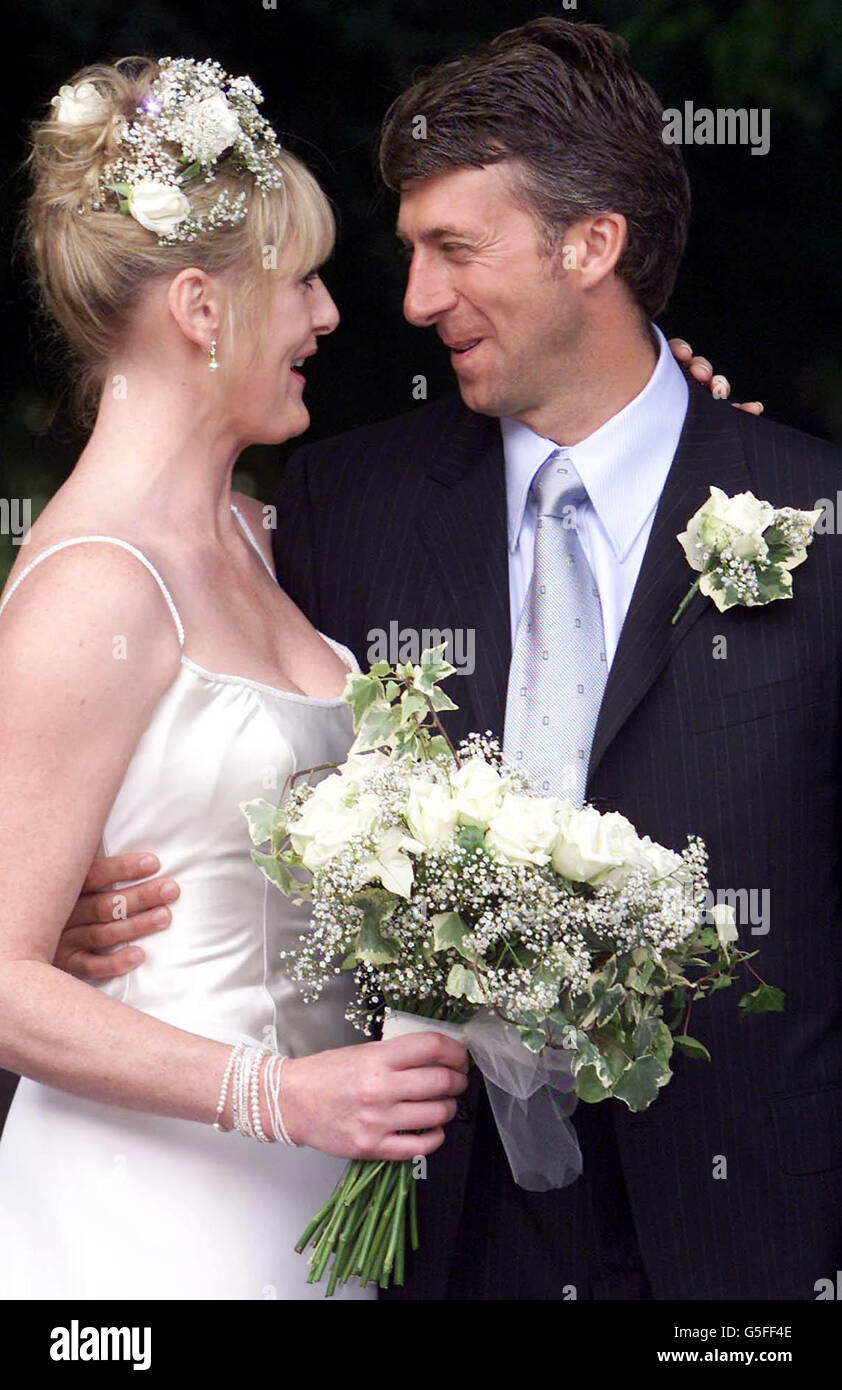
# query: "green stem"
(413, 1214)
(398, 1218)
(377, 1250)
(345, 1247)
(380, 1200)
(362, 1184)
(684, 602)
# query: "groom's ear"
(195, 302)
(593, 246)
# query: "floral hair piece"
(193, 114)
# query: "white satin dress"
(98, 1201)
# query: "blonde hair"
(91, 266)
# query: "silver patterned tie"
(558, 671)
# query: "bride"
(152, 677)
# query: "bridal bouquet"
(547, 938)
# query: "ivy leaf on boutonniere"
(744, 549)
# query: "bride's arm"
(73, 712)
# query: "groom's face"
(509, 313)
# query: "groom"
(538, 511)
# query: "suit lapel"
(709, 452)
(463, 524)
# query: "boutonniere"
(744, 549)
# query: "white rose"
(659, 861)
(524, 830)
(478, 789)
(594, 848)
(158, 206)
(725, 923)
(327, 823)
(79, 105)
(431, 813)
(738, 522)
(208, 129)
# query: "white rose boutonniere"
(744, 549)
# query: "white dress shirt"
(623, 466)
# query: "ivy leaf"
(589, 1088)
(413, 707)
(433, 668)
(638, 1086)
(653, 1036)
(276, 872)
(462, 983)
(440, 701)
(361, 693)
(535, 1039)
(691, 1046)
(448, 930)
(439, 745)
(378, 726)
(764, 999)
(371, 946)
(263, 819)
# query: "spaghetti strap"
(108, 540)
(244, 524)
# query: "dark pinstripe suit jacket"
(406, 521)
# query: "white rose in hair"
(158, 206)
(209, 128)
(525, 829)
(79, 105)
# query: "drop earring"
(212, 362)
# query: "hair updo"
(91, 266)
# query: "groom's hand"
(105, 917)
(702, 371)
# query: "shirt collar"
(623, 464)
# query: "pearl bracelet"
(248, 1067)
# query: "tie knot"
(557, 485)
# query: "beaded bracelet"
(248, 1067)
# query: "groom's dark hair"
(563, 101)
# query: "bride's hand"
(359, 1101)
(701, 370)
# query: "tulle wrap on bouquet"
(532, 1094)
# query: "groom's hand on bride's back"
(95, 943)
(701, 370)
